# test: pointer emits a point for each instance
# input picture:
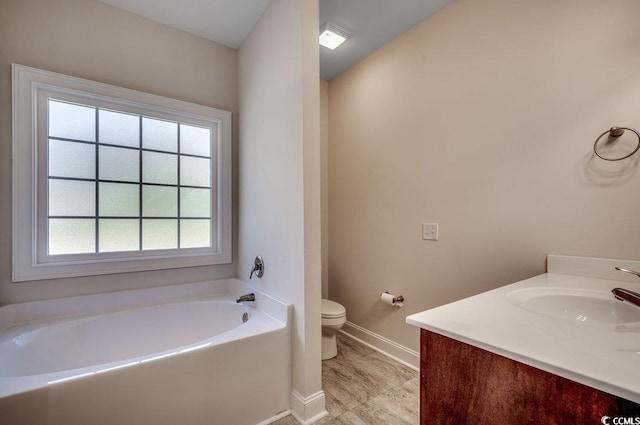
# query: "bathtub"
(183, 354)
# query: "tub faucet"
(246, 297)
(625, 294)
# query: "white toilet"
(334, 316)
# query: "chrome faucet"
(628, 271)
(625, 294)
(258, 267)
(246, 297)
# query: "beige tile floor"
(364, 387)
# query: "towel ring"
(616, 132)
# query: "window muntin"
(102, 186)
(132, 175)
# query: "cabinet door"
(461, 384)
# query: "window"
(111, 180)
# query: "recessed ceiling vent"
(331, 36)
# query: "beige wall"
(481, 119)
(279, 173)
(88, 39)
(324, 183)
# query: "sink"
(577, 305)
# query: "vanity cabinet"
(461, 384)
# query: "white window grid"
(31, 261)
(141, 184)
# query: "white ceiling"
(373, 23)
(227, 22)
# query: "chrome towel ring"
(614, 133)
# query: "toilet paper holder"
(396, 300)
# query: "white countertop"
(602, 356)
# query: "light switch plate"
(430, 231)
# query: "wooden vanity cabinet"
(461, 384)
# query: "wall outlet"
(430, 231)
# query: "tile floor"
(364, 387)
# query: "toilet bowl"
(334, 316)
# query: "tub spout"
(246, 297)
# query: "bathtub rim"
(66, 308)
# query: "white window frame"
(30, 261)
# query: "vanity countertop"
(605, 356)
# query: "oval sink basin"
(578, 305)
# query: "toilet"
(334, 316)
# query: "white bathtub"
(170, 355)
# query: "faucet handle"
(628, 271)
(258, 267)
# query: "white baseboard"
(275, 418)
(308, 410)
(397, 352)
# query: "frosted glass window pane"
(72, 121)
(159, 135)
(119, 129)
(70, 159)
(195, 171)
(159, 201)
(71, 236)
(195, 140)
(119, 235)
(72, 198)
(119, 164)
(159, 234)
(119, 200)
(195, 202)
(159, 168)
(195, 233)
